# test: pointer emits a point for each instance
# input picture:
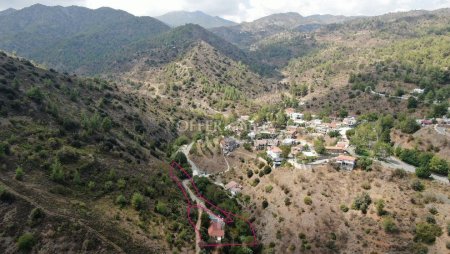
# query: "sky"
(245, 10)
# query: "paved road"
(395, 163)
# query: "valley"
(191, 133)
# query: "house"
(233, 187)
(418, 91)
(295, 150)
(273, 142)
(289, 142)
(251, 135)
(260, 144)
(349, 121)
(346, 162)
(289, 112)
(228, 145)
(297, 116)
(216, 230)
(335, 149)
(426, 122)
(274, 152)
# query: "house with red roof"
(216, 230)
(346, 162)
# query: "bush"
(265, 204)
(379, 204)
(409, 126)
(267, 170)
(364, 163)
(399, 173)
(26, 242)
(287, 201)
(389, 225)
(57, 173)
(423, 172)
(248, 147)
(344, 208)
(19, 174)
(447, 245)
(269, 188)
(35, 216)
(137, 201)
(121, 200)
(6, 196)
(35, 94)
(417, 185)
(68, 155)
(439, 166)
(366, 186)
(308, 200)
(162, 208)
(249, 173)
(448, 228)
(121, 183)
(427, 232)
(362, 202)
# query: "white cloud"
(246, 10)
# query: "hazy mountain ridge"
(180, 18)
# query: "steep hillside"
(73, 38)
(203, 78)
(82, 166)
(375, 61)
(180, 18)
(246, 34)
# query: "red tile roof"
(215, 230)
(345, 158)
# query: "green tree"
(408, 125)
(412, 102)
(57, 173)
(26, 242)
(439, 166)
(427, 232)
(137, 201)
(121, 200)
(362, 202)
(19, 174)
(319, 146)
(382, 150)
(423, 172)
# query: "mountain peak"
(179, 18)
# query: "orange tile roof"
(345, 158)
(215, 230)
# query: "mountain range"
(179, 18)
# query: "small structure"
(297, 116)
(349, 121)
(289, 112)
(228, 145)
(418, 91)
(274, 152)
(233, 187)
(346, 162)
(260, 144)
(216, 230)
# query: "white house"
(346, 162)
(233, 187)
(297, 116)
(418, 91)
(274, 152)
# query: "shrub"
(389, 225)
(427, 232)
(91, 185)
(162, 208)
(121, 183)
(447, 245)
(433, 210)
(364, 163)
(108, 186)
(35, 216)
(267, 170)
(423, 172)
(399, 173)
(448, 228)
(269, 188)
(366, 185)
(19, 174)
(287, 201)
(362, 202)
(137, 201)
(439, 166)
(68, 155)
(6, 196)
(344, 208)
(265, 204)
(249, 173)
(379, 204)
(26, 242)
(121, 200)
(248, 147)
(57, 173)
(308, 200)
(35, 94)
(417, 185)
